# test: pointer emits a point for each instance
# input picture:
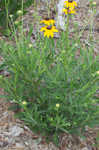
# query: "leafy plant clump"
(58, 89)
(54, 89)
(8, 7)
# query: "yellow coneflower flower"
(49, 31)
(70, 4)
(68, 11)
(48, 21)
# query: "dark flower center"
(70, 1)
(49, 27)
(47, 19)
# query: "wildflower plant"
(11, 7)
(55, 89)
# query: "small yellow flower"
(68, 11)
(49, 31)
(70, 4)
(48, 21)
(24, 103)
(57, 105)
(97, 72)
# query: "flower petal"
(45, 34)
(43, 29)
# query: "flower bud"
(16, 22)
(28, 52)
(10, 15)
(57, 105)
(30, 46)
(94, 3)
(24, 103)
(97, 72)
(19, 12)
(1, 76)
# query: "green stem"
(67, 32)
(67, 44)
(22, 19)
(6, 7)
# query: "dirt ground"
(14, 135)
